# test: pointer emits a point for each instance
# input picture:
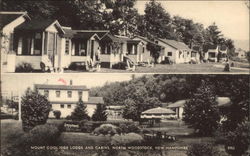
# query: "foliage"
(57, 114)
(120, 65)
(100, 113)
(77, 66)
(106, 129)
(128, 128)
(24, 67)
(201, 111)
(248, 56)
(41, 135)
(199, 149)
(80, 112)
(35, 109)
(238, 141)
(126, 139)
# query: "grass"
(176, 68)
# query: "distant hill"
(243, 44)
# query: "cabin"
(64, 98)
(113, 49)
(177, 52)
(38, 42)
(9, 21)
(178, 106)
(80, 45)
(146, 52)
(158, 113)
(215, 53)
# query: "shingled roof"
(175, 44)
(60, 87)
(158, 110)
(7, 17)
(37, 25)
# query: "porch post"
(133, 49)
(32, 46)
(43, 37)
(19, 47)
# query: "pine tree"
(80, 112)
(100, 113)
(35, 109)
(201, 111)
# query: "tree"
(201, 111)
(35, 109)
(157, 20)
(238, 141)
(213, 34)
(100, 113)
(248, 56)
(80, 112)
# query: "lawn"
(175, 68)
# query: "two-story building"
(64, 98)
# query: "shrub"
(201, 149)
(126, 139)
(42, 135)
(238, 140)
(105, 129)
(119, 65)
(127, 128)
(35, 109)
(57, 114)
(24, 67)
(77, 66)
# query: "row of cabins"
(45, 41)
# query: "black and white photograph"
(125, 78)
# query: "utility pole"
(19, 105)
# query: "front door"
(51, 48)
(92, 49)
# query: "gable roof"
(95, 100)
(38, 25)
(207, 47)
(60, 87)
(75, 33)
(175, 44)
(7, 17)
(158, 110)
(222, 101)
(145, 39)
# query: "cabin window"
(69, 94)
(80, 94)
(37, 44)
(69, 106)
(58, 93)
(26, 45)
(169, 53)
(143, 49)
(67, 46)
(132, 49)
(81, 48)
(46, 93)
(193, 54)
(62, 105)
(212, 55)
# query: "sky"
(232, 17)
(20, 82)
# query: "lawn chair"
(46, 65)
(130, 65)
(150, 64)
(94, 66)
